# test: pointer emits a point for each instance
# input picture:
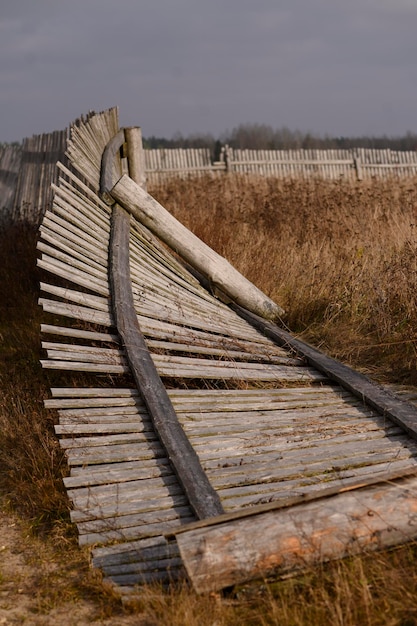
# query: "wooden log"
(331, 527)
(220, 272)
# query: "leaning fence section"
(214, 446)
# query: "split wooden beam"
(221, 274)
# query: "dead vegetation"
(341, 259)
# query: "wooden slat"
(76, 333)
(76, 311)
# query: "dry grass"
(341, 259)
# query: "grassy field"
(341, 259)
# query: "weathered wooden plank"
(91, 414)
(140, 555)
(60, 233)
(134, 526)
(230, 353)
(231, 399)
(130, 491)
(102, 428)
(293, 538)
(288, 424)
(172, 498)
(158, 329)
(332, 469)
(234, 443)
(97, 274)
(146, 246)
(238, 497)
(116, 454)
(167, 565)
(114, 473)
(83, 444)
(158, 577)
(75, 311)
(87, 208)
(75, 250)
(80, 366)
(71, 352)
(76, 333)
(212, 459)
(89, 300)
(62, 226)
(75, 402)
(124, 553)
(116, 467)
(300, 425)
(205, 368)
(80, 218)
(93, 392)
(83, 279)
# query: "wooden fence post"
(358, 168)
(135, 155)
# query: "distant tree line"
(264, 137)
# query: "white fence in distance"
(27, 170)
(357, 164)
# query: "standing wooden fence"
(357, 164)
(10, 161)
(33, 194)
(27, 171)
(164, 164)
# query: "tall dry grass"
(340, 257)
(31, 462)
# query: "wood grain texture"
(148, 211)
(287, 539)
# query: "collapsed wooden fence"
(214, 446)
(28, 170)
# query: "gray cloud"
(197, 66)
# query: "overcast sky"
(195, 66)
